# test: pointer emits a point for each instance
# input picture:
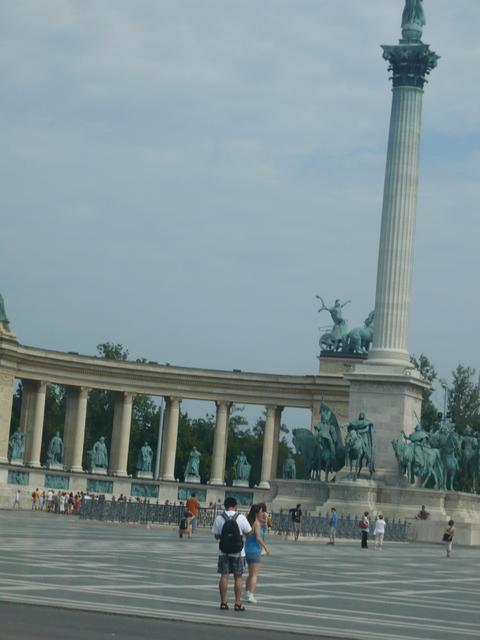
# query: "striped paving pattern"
(407, 592)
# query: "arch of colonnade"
(39, 367)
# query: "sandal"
(239, 607)
(224, 606)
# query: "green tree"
(430, 413)
(464, 398)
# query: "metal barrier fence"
(314, 526)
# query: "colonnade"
(32, 420)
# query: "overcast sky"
(183, 176)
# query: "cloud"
(184, 177)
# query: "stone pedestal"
(190, 478)
(240, 483)
(391, 397)
(144, 475)
(99, 471)
(54, 466)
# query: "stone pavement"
(405, 592)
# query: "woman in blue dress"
(255, 545)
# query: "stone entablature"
(239, 387)
(39, 367)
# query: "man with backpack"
(229, 528)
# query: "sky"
(184, 177)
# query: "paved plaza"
(406, 592)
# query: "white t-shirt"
(380, 526)
(50, 496)
(242, 522)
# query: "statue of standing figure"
(413, 20)
(100, 454)
(241, 467)
(192, 470)
(3, 313)
(289, 469)
(55, 450)
(144, 458)
(334, 340)
(16, 446)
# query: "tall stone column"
(122, 421)
(78, 430)
(410, 62)
(31, 420)
(217, 475)
(387, 387)
(276, 442)
(267, 457)
(168, 472)
(166, 413)
(6, 399)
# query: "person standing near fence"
(448, 537)
(16, 504)
(193, 505)
(364, 526)
(296, 515)
(379, 532)
(333, 525)
(255, 546)
(229, 528)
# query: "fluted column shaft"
(276, 442)
(122, 421)
(395, 261)
(217, 475)
(6, 400)
(35, 393)
(168, 472)
(267, 455)
(78, 432)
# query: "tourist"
(16, 503)
(185, 526)
(448, 537)
(61, 503)
(254, 544)
(379, 532)
(229, 528)
(49, 500)
(422, 514)
(193, 505)
(333, 525)
(42, 500)
(35, 499)
(296, 516)
(364, 525)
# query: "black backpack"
(183, 523)
(231, 540)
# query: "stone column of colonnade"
(268, 442)
(74, 430)
(276, 441)
(217, 475)
(6, 400)
(122, 421)
(31, 420)
(170, 440)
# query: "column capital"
(223, 403)
(410, 63)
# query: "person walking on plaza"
(193, 505)
(185, 526)
(296, 515)
(333, 525)
(229, 528)
(364, 526)
(448, 535)
(254, 545)
(16, 504)
(379, 532)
